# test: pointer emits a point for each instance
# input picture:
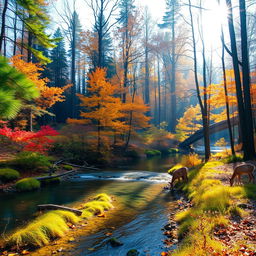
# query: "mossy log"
(54, 176)
(43, 207)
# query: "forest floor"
(238, 237)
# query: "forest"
(127, 127)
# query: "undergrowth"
(213, 205)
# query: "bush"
(191, 160)
(32, 161)
(8, 174)
(27, 184)
(152, 152)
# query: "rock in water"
(114, 242)
(132, 252)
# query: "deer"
(179, 173)
(244, 168)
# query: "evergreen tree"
(15, 89)
(58, 74)
(34, 15)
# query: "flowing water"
(138, 190)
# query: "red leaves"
(31, 141)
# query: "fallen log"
(54, 176)
(82, 166)
(43, 207)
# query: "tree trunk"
(250, 150)
(159, 91)
(2, 34)
(173, 117)
(73, 67)
(226, 97)
(239, 94)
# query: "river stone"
(132, 252)
(114, 242)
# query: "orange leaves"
(48, 95)
(106, 111)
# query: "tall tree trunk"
(73, 67)
(250, 150)
(173, 117)
(2, 34)
(146, 89)
(203, 106)
(226, 96)
(239, 94)
(159, 91)
(15, 30)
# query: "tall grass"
(54, 224)
(213, 204)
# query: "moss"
(152, 152)
(8, 174)
(67, 167)
(99, 204)
(31, 161)
(50, 181)
(44, 228)
(54, 224)
(97, 207)
(27, 184)
(103, 197)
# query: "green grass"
(54, 224)
(213, 205)
(8, 174)
(27, 184)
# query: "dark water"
(139, 188)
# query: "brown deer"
(244, 168)
(179, 173)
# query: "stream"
(137, 188)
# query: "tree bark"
(239, 94)
(2, 34)
(250, 149)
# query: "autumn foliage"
(31, 141)
(106, 111)
(48, 95)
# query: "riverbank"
(217, 219)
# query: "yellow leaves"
(189, 123)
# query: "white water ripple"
(128, 176)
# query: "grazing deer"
(179, 173)
(243, 169)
